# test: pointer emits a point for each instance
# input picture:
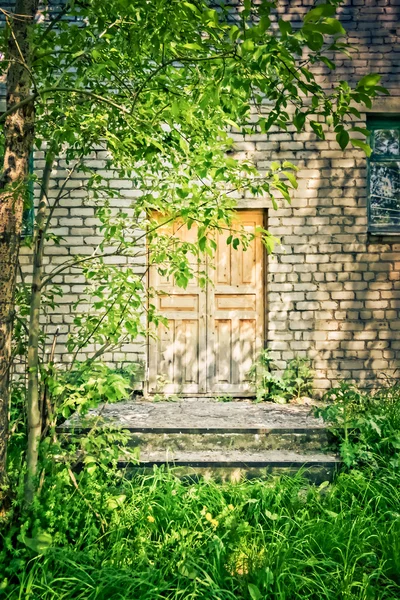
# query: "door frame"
(264, 256)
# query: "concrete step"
(234, 465)
(222, 440)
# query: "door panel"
(235, 309)
(177, 353)
(213, 334)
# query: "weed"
(225, 398)
(366, 423)
(295, 382)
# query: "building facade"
(331, 291)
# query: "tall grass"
(156, 537)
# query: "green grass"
(158, 537)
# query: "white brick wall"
(333, 289)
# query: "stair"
(221, 440)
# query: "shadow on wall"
(334, 290)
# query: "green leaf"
(318, 129)
(202, 243)
(288, 165)
(247, 5)
(299, 120)
(326, 27)
(369, 81)
(234, 33)
(323, 485)
(342, 138)
(332, 514)
(193, 46)
(183, 144)
(362, 130)
(315, 41)
(264, 23)
(365, 99)
(232, 123)
(192, 7)
(360, 144)
(248, 45)
(329, 63)
(383, 90)
(254, 592)
(291, 178)
(285, 27)
(116, 502)
(272, 516)
(323, 10)
(39, 544)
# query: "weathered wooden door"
(213, 334)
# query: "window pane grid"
(384, 177)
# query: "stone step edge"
(202, 430)
(265, 460)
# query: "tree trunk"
(34, 412)
(18, 136)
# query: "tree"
(160, 84)
(18, 143)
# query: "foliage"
(87, 385)
(366, 423)
(163, 88)
(299, 376)
(295, 382)
(157, 536)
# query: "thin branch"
(23, 61)
(54, 22)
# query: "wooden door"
(235, 310)
(213, 334)
(177, 356)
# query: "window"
(384, 175)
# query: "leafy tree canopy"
(162, 82)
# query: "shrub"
(367, 424)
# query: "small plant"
(299, 376)
(224, 398)
(295, 382)
(367, 424)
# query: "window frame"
(376, 122)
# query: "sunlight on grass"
(164, 538)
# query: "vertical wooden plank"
(248, 257)
(247, 335)
(223, 260)
(223, 358)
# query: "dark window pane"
(387, 141)
(385, 193)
